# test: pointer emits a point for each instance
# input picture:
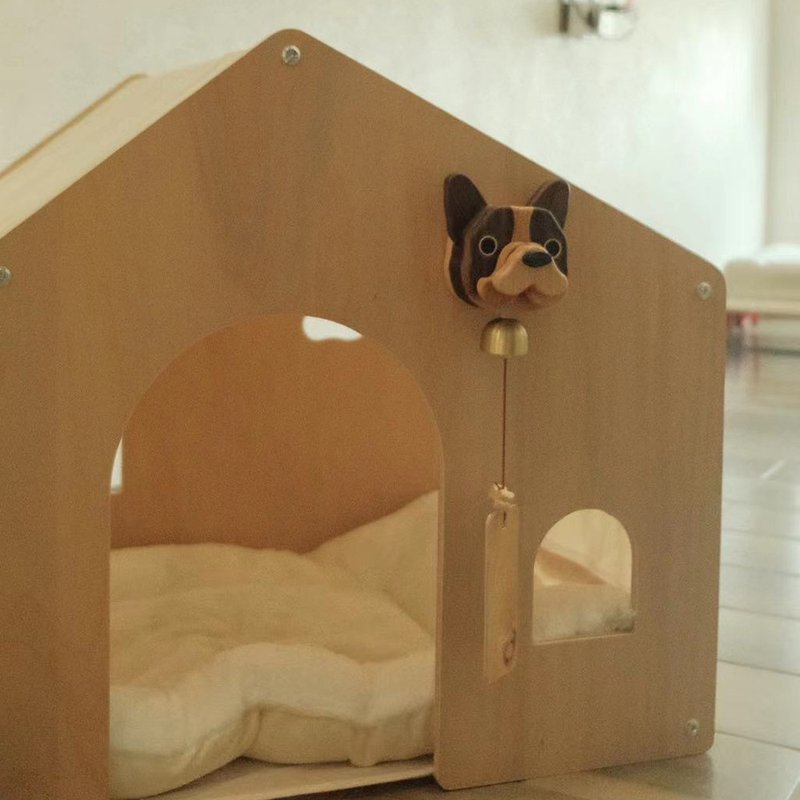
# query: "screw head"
(703, 290)
(692, 727)
(5, 276)
(291, 54)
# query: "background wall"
(784, 129)
(669, 125)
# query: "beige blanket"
(220, 651)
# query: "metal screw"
(703, 290)
(291, 54)
(692, 727)
(5, 276)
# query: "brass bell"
(504, 337)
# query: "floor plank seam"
(764, 505)
(750, 612)
(760, 613)
(782, 745)
(785, 747)
(770, 570)
(756, 537)
(782, 536)
(771, 670)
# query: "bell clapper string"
(505, 406)
(502, 497)
(505, 338)
(501, 486)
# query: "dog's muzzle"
(524, 271)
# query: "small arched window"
(582, 578)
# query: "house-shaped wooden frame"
(182, 204)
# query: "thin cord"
(503, 461)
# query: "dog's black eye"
(487, 245)
(553, 247)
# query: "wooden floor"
(757, 752)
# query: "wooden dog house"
(183, 204)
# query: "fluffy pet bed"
(219, 651)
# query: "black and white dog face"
(501, 255)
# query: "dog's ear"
(554, 196)
(462, 201)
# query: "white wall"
(783, 206)
(668, 125)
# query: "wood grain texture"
(245, 779)
(735, 767)
(501, 593)
(317, 189)
(258, 436)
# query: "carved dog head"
(499, 255)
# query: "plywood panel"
(318, 189)
(245, 779)
(623, 439)
(258, 436)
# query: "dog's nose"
(536, 258)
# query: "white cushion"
(219, 651)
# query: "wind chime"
(500, 256)
(506, 338)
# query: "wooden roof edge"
(95, 134)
